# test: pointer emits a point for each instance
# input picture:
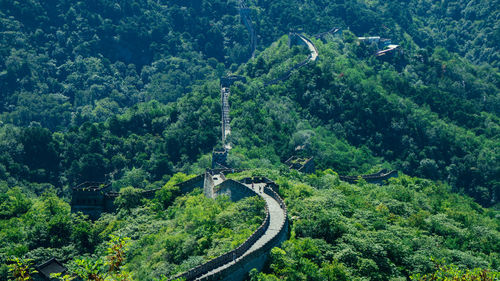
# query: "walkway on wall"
(247, 21)
(277, 216)
(235, 264)
(312, 57)
(310, 45)
(226, 122)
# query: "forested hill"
(469, 28)
(63, 63)
(127, 93)
(430, 112)
(97, 80)
(351, 110)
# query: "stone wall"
(247, 21)
(229, 256)
(191, 184)
(208, 186)
(269, 183)
(293, 39)
(335, 31)
(257, 259)
(234, 190)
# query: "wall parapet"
(237, 255)
(268, 182)
(229, 256)
(275, 241)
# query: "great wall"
(93, 199)
(295, 38)
(235, 265)
(247, 21)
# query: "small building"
(382, 43)
(370, 39)
(301, 164)
(47, 268)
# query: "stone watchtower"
(89, 198)
(219, 158)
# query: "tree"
(40, 152)
(21, 269)
(13, 203)
(129, 198)
(445, 272)
(101, 269)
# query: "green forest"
(128, 93)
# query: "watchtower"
(228, 81)
(219, 158)
(89, 198)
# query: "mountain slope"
(429, 129)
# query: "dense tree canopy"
(127, 93)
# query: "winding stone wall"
(293, 39)
(235, 264)
(257, 258)
(247, 21)
(253, 253)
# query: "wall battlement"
(93, 199)
(335, 31)
(235, 264)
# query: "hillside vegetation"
(128, 93)
(168, 234)
(351, 110)
(341, 231)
